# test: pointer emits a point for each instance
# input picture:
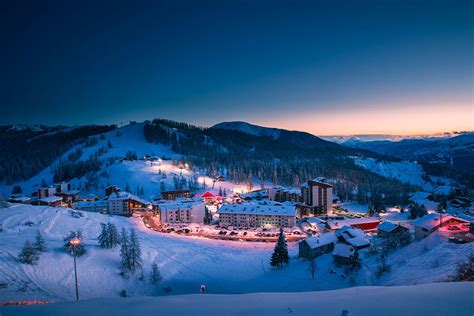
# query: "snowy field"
(428, 299)
(225, 267)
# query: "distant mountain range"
(457, 152)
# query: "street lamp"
(74, 242)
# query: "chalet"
(176, 194)
(180, 210)
(51, 201)
(364, 223)
(257, 214)
(427, 224)
(209, 197)
(344, 254)
(314, 246)
(352, 236)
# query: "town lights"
(74, 242)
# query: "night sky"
(326, 67)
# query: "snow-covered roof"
(387, 227)
(165, 205)
(343, 250)
(335, 224)
(315, 220)
(71, 192)
(358, 242)
(258, 209)
(123, 195)
(254, 194)
(51, 199)
(208, 194)
(432, 220)
(19, 198)
(322, 240)
(85, 204)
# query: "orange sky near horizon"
(394, 120)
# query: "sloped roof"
(322, 240)
(343, 250)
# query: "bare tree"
(312, 268)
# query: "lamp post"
(74, 242)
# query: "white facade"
(257, 215)
(181, 211)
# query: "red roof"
(208, 194)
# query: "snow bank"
(427, 299)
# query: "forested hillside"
(243, 157)
(27, 151)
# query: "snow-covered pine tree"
(124, 254)
(28, 254)
(155, 275)
(282, 248)
(275, 261)
(135, 253)
(40, 244)
(114, 239)
(104, 237)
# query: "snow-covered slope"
(428, 299)
(225, 267)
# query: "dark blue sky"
(328, 67)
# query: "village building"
(256, 195)
(46, 191)
(281, 194)
(364, 223)
(100, 206)
(21, 199)
(180, 211)
(392, 230)
(353, 236)
(124, 203)
(317, 194)
(344, 254)
(51, 201)
(314, 246)
(69, 196)
(63, 187)
(175, 194)
(427, 224)
(258, 214)
(209, 197)
(111, 189)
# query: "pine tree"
(283, 248)
(135, 251)
(104, 237)
(127, 187)
(124, 254)
(114, 239)
(280, 253)
(40, 244)
(28, 254)
(155, 275)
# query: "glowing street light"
(74, 242)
